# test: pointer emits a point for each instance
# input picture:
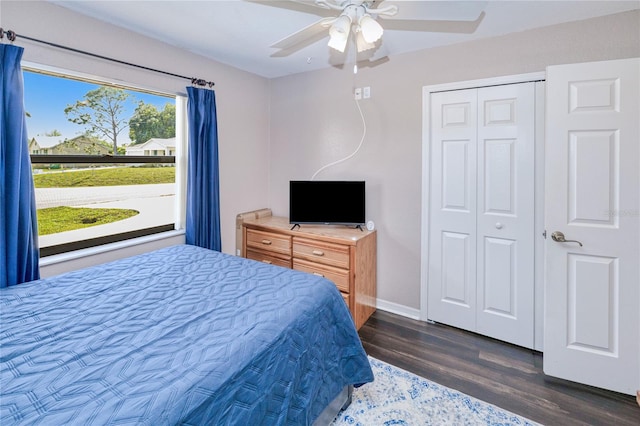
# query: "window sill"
(106, 248)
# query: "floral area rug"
(397, 397)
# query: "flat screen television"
(327, 202)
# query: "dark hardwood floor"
(508, 376)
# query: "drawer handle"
(266, 242)
(318, 274)
(318, 252)
(268, 262)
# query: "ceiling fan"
(363, 22)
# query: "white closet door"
(592, 292)
(481, 230)
(505, 249)
(452, 245)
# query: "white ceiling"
(239, 32)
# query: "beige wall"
(242, 98)
(314, 120)
(304, 121)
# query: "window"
(103, 161)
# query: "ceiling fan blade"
(303, 37)
(432, 10)
(457, 27)
(305, 6)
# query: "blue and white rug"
(397, 397)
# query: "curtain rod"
(11, 36)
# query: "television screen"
(327, 202)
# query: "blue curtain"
(203, 191)
(18, 221)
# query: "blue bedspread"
(182, 335)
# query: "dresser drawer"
(345, 296)
(322, 252)
(339, 277)
(265, 258)
(269, 242)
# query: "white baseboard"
(398, 309)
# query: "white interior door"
(592, 158)
(452, 242)
(481, 243)
(505, 229)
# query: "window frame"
(106, 158)
(177, 160)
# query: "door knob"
(559, 237)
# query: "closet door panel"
(505, 221)
(452, 259)
(481, 245)
(456, 254)
(454, 179)
(499, 293)
(499, 167)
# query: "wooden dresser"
(345, 256)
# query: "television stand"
(295, 225)
(342, 254)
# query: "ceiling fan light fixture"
(339, 33)
(338, 43)
(370, 28)
(362, 44)
(341, 27)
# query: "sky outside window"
(46, 97)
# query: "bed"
(181, 335)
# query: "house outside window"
(103, 161)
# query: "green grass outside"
(106, 177)
(59, 219)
